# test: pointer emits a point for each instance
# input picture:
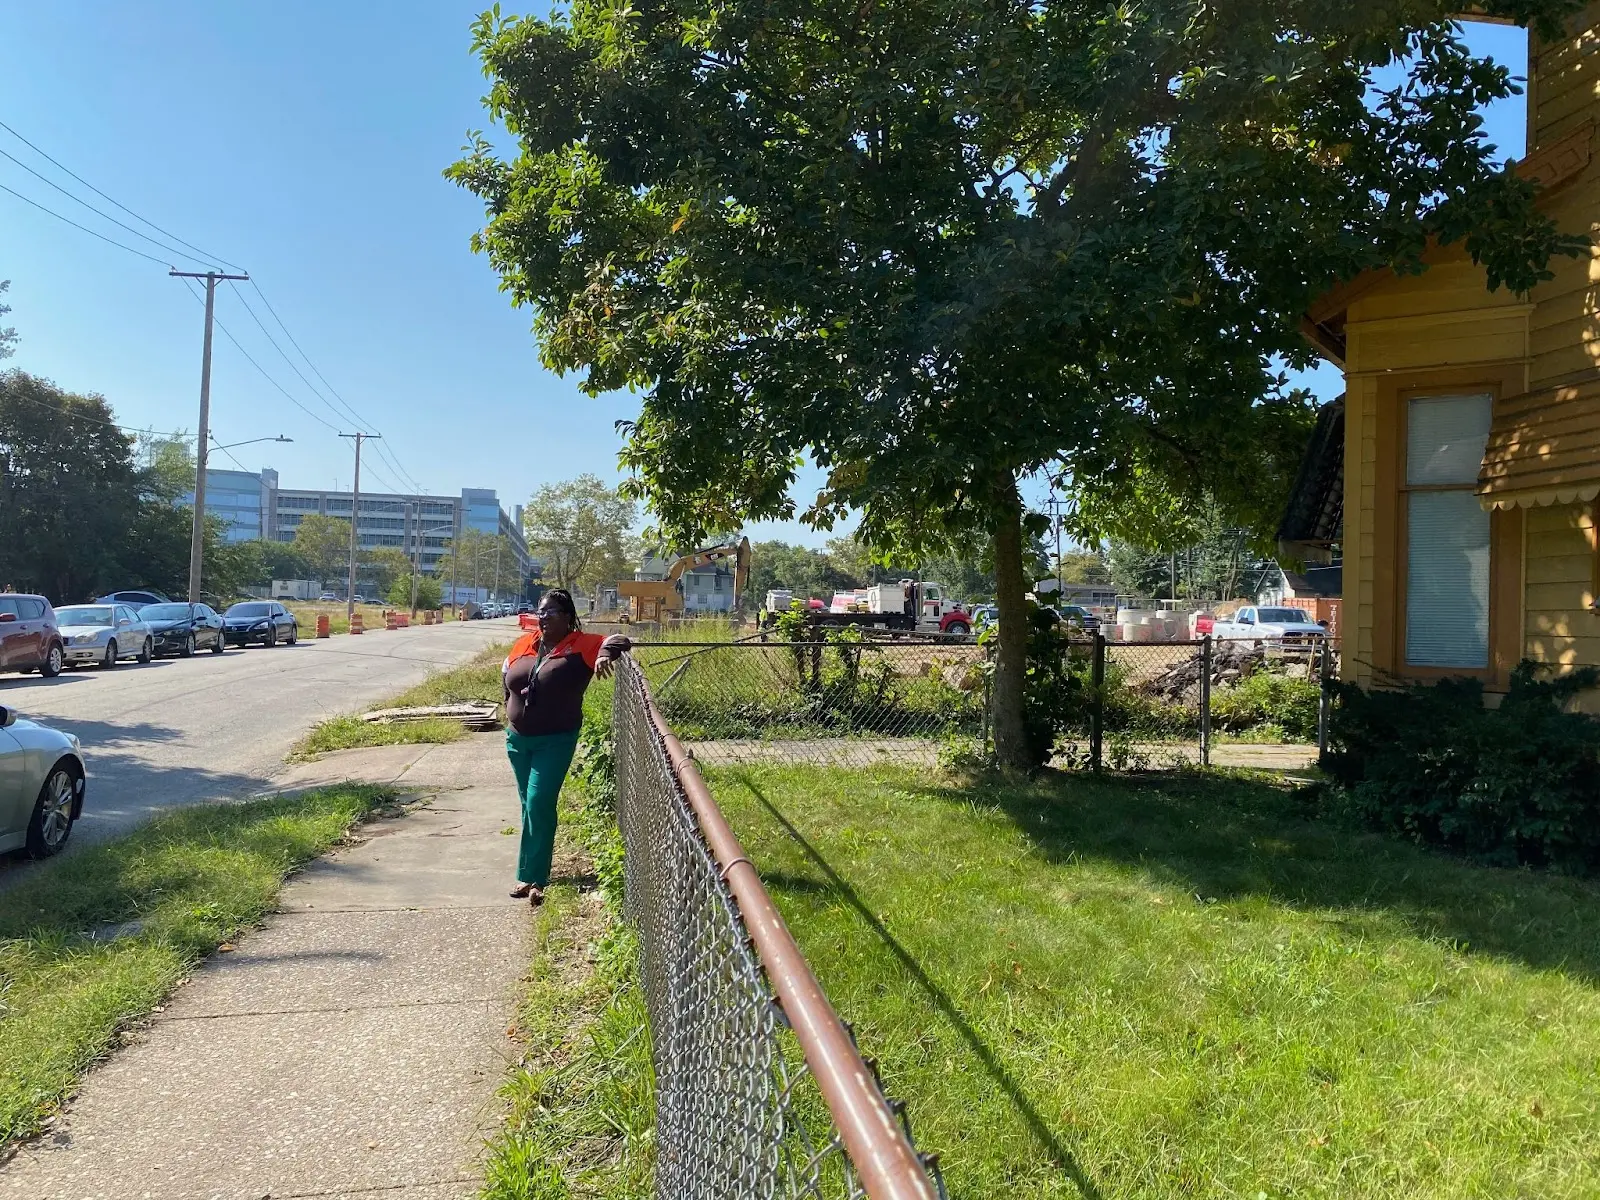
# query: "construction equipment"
(662, 600)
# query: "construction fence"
(760, 1089)
(855, 702)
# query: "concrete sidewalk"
(353, 1047)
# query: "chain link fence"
(840, 701)
(760, 1090)
(1205, 702)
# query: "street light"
(251, 442)
(416, 561)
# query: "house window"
(1447, 533)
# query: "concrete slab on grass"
(353, 1046)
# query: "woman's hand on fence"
(604, 665)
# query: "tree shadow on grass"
(1229, 837)
(836, 884)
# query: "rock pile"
(1230, 662)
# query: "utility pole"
(355, 522)
(197, 536)
(498, 538)
(416, 551)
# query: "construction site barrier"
(324, 627)
(355, 623)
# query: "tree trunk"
(1011, 598)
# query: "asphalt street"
(183, 731)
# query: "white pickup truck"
(1272, 626)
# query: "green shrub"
(1519, 784)
(1267, 698)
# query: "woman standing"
(544, 679)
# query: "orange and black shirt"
(546, 695)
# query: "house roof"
(1550, 167)
(1316, 581)
(1314, 518)
(1544, 447)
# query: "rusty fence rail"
(760, 1089)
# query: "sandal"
(521, 890)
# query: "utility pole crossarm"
(197, 535)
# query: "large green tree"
(580, 529)
(69, 491)
(323, 544)
(939, 245)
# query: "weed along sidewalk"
(353, 1044)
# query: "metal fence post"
(1205, 701)
(1097, 710)
(1325, 701)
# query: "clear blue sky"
(304, 141)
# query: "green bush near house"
(1514, 785)
(1267, 698)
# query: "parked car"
(1276, 626)
(182, 629)
(41, 785)
(327, 598)
(134, 599)
(264, 621)
(984, 615)
(104, 634)
(30, 638)
(1080, 617)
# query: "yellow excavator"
(662, 600)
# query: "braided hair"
(562, 599)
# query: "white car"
(41, 786)
(1275, 626)
(104, 634)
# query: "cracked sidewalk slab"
(352, 1046)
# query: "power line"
(123, 207)
(85, 228)
(267, 333)
(389, 456)
(103, 215)
(331, 390)
(287, 394)
(77, 416)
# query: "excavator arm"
(738, 551)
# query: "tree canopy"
(8, 334)
(941, 244)
(77, 515)
(580, 530)
(323, 544)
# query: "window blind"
(1445, 437)
(1447, 581)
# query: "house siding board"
(1360, 458)
(1561, 627)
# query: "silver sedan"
(41, 785)
(104, 634)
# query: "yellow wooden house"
(1471, 430)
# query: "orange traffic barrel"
(403, 620)
(323, 628)
(390, 621)
(355, 623)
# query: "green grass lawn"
(179, 887)
(1181, 988)
(476, 679)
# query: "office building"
(253, 505)
(239, 498)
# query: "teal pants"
(540, 765)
